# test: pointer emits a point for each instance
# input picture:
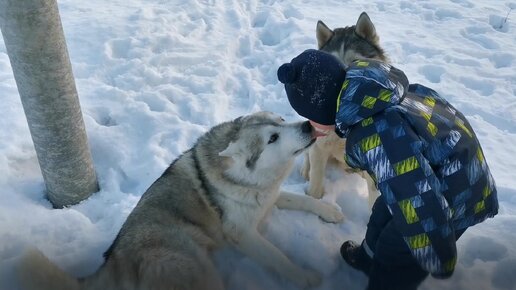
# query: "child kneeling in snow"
(423, 154)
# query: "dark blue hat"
(313, 81)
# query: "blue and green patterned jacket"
(424, 156)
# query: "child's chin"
(317, 134)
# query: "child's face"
(321, 130)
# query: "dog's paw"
(331, 213)
(315, 191)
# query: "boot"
(355, 256)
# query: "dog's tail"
(36, 272)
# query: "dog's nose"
(306, 127)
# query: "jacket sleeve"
(388, 148)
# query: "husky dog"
(359, 41)
(218, 191)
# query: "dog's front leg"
(326, 211)
(305, 170)
(253, 245)
(318, 158)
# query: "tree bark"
(37, 50)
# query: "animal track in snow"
(119, 48)
(462, 61)
(501, 60)
(464, 3)
(260, 18)
(427, 51)
(481, 86)
(499, 23)
(293, 12)
(406, 5)
(275, 28)
(432, 73)
(476, 34)
(154, 101)
(102, 116)
(444, 14)
(382, 6)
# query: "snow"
(153, 75)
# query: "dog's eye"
(273, 138)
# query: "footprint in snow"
(499, 23)
(432, 73)
(479, 36)
(464, 3)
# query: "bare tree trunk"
(37, 50)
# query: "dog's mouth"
(312, 141)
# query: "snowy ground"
(154, 75)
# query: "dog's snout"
(306, 127)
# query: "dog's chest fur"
(244, 209)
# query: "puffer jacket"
(422, 153)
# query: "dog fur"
(217, 192)
(359, 41)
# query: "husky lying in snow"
(216, 192)
(359, 41)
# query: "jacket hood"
(370, 87)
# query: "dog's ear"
(365, 28)
(323, 34)
(232, 150)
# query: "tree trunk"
(37, 50)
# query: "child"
(422, 153)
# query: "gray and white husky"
(359, 41)
(217, 192)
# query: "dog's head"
(264, 148)
(359, 41)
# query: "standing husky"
(218, 191)
(359, 41)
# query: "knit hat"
(313, 81)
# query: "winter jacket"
(423, 155)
